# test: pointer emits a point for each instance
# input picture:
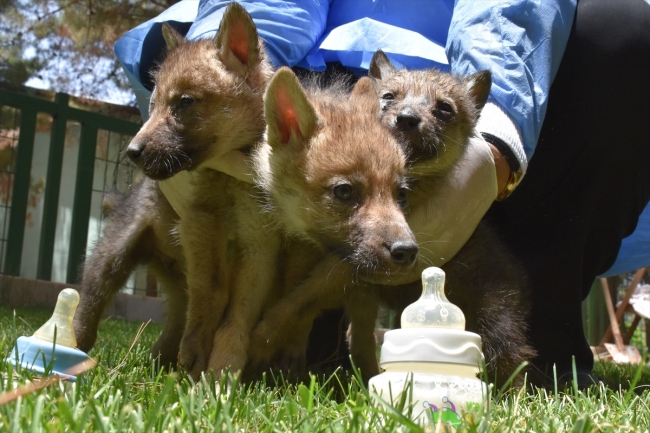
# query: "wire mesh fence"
(56, 165)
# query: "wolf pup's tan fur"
(334, 177)
(435, 113)
(199, 83)
(229, 248)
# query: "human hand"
(502, 167)
(446, 217)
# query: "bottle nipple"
(433, 310)
(61, 320)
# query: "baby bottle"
(54, 344)
(432, 357)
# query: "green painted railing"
(61, 113)
(594, 314)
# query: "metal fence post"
(82, 200)
(20, 191)
(52, 188)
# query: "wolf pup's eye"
(186, 101)
(344, 192)
(386, 100)
(443, 111)
(402, 197)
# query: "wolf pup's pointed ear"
(380, 66)
(289, 114)
(172, 37)
(478, 87)
(237, 41)
(364, 95)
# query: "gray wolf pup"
(435, 114)
(213, 106)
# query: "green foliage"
(68, 44)
(126, 393)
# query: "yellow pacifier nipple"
(433, 310)
(61, 320)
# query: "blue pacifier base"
(35, 354)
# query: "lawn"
(126, 393)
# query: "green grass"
(125, 393)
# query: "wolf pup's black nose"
(407, 120)
(134, 151)
(404, 252)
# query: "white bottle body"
(450, 391)
(433, 359)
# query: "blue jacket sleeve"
(635, 249)
(289, 28)
(412, 32)
(521, 42)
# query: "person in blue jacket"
(568, 114)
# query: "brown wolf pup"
(435, 114)
(334, 177)
(140, 228)
(195, 80)
(229, 246)
(199, 83)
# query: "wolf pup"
(187, 130)
(216, 102)
(435, 114)
(334, 177)
(192, 83)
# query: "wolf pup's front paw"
(86, 333)
(292, 355)
(261, 349)
(166, 349)
(229, 351)
(195, 350)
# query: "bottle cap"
(433, 329)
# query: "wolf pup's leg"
(251, 283)
(207, 302)
(172, 282)
(123, 245)
(362, 307)
(323, 289)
